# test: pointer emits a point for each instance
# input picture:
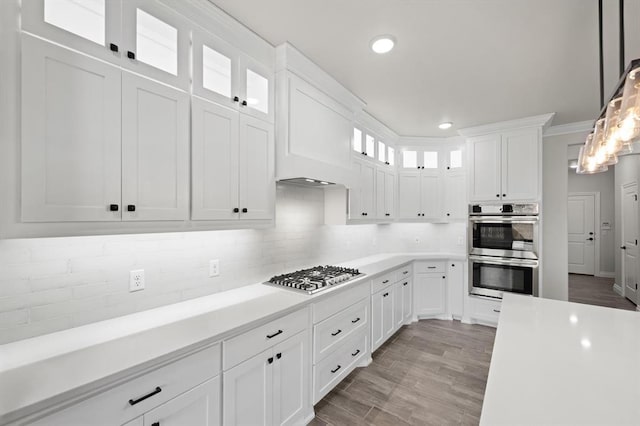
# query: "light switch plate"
(214, 268)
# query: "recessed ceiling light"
(383, 43)
(445, 126)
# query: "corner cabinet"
(506, 166)
(232, 164)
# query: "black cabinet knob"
(448, 214)
(236, 210)
(362, 213)
(236, 99)
(131, 208)
(155, 424)
(279, 355)
(113, 207)
(385, 295)
(270, 360)
(443, 277)
(387, 214)
(244, 210)
(590, 239)
(448, 168)
(131, 55)
(113, 47)
(504, 195)
(498, 195)
(244, 103)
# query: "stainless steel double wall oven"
(503, 249)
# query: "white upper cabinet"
(363, 197)
(505, 166)
(90, 26)
(71, 151)
(225, 75)
(156, 40)
(155, 150)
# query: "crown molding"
(541, 121)
(566, 129)
(371, 123)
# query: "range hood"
(308, 182)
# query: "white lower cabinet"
(430, 287)
(456, 288)
(391, 304)
(484, 310)
(382, 324)
(406, 288)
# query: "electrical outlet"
(214, 268)
(136, 280)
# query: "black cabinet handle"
(155, 424)
(113, 47)
(387, 214)
(623, 247)
(431, 267)
(356, 353)
(355, 320)
(113, 207)
(156, 391)
(362, 213)
(418, 214)
(496, 311)
(363, 153)
(405, 283)
(498, 195)
(244, 103)
(443, 277)
(453, 265)
(448, 168)
(271, 336)
(131, 208)
(405, 272)
(385, 281)
(270, 360)
(418, 167)
(336, 333)
(279, 355)
(244, 210)
(131, 55)
(385, 295)
(236, 99)
(236, 210)
(590, 239)
(448, 214)
(336, 369)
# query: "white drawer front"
(246, 345)
(403, 273)
(337, 302)
(333, 331)
(330, 371)
(485, 310)
(382, 282)
(430, 266)
(124, 402)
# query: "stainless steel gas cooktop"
(315, 279)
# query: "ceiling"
(467, 61)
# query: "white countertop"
(74, 359)
(563, 363)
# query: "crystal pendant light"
(629, 119)
(613, 143)
(587, 161)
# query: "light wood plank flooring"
(429, 373)
(596, 291)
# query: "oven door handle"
(509, 262)
(504, 219)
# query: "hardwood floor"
(429, 373)
(596, 291)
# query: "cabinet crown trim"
(542, 121)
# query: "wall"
(603, 183)
(49, 284)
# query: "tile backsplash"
(50, 284)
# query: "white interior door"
(630, 241)
(581, 228)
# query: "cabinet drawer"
(430, 266)
(246, 345)
(382, 282)
(337, 302)
(403, 273)
(330, 371)
(485, 310)
(333, 331)
(146, 392)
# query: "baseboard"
(617, 289)
(605, 274)
(309, 417)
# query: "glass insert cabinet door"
(215, 70)
(256, 89)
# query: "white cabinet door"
(70, 135)
(456, 290)
(520, 165)
(388, 307)
(257, 185)
(256, 89)
(381, 205)
(455, 196)
(367, 192)
(291, 380)
(215, 70)
(248, 392)
(430, 294)
(430, 191)
(87, 26)
(155, 150)
(377, 333)
(390, 195)
(214, 161)
(199, 406)
(484, 159)
(407, 300)
(398, 304)
(156, 42)
(409, 196)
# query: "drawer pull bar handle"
(271, 336)
(149, 395)
(431, 267)
(385, 281)
(336, 333)
(496, 311)
(336, 369)
(356, 353)
(355, 320)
